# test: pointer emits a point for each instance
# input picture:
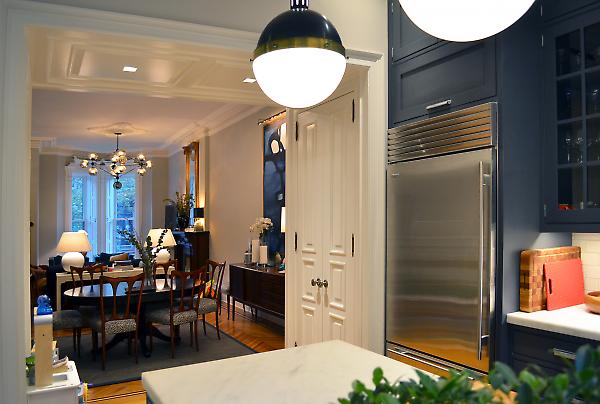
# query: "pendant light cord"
(299, 4)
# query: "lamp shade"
(299, 60)
(464, 20)
(283, 219)
(73, 241)
(198, 213)
(168, 239)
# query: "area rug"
(121, 367)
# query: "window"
(84, 207)
(93, 197)
(120, 209)
(77, 205)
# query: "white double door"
(327, 176)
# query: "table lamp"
(73, 243)
(198, 214)
(163, 254)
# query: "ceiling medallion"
(299, 60)
(119, 164)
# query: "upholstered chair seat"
(163, 316)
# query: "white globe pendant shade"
(464, 20)
(299, 77)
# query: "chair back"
(92, 269)
(164, 266)
(215, 271)
(119, 312)
(36, 275)
(186, 298)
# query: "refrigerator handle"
(482, 258)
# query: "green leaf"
(525, 394)
(377, 376)
(584, 357)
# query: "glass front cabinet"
(571, 123)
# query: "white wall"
(235, 175)
(51, 196)
(362, 24)
(176, 181)
(590, 256)
(160, 190)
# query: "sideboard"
(260, 288)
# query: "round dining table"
(89, 295)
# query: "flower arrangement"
(146, 250)
(183, 203)
(262, 226)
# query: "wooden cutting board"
(531, 280)
(564, 283)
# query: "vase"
(255, 250)
(263, 256)
(182, 222)
(148, 277)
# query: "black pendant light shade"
(299, 27)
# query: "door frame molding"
(370, 238)
(15, 135)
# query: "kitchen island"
(318, 373)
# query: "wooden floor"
(261, 337)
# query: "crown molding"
(42, 143)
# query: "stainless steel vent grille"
(470, 128)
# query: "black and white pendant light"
(464, 20)
(299, 60)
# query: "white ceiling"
(179, 93)
(62, 119)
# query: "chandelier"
(116, 165)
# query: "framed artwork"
(274, 149)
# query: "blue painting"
(274, 147)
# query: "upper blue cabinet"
(428, 76)
(406, 38)
(571, 121)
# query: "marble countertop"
(575, 321)
(318, 373)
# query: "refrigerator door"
(439, 239)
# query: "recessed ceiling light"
(130, 69)
(249, 80)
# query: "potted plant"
(183, 204)
(580, 382)
(147, 252)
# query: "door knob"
(325, 283)
(312, 282)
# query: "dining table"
(155, 295)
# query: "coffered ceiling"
(179, 92)
(64, 59)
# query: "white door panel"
(327, 196)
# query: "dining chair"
(115, 318)
(87, 312)
(210, 301)
(164, 266)
(91, 270)
(38, 277)
(183, 306)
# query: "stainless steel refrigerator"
(441, 218)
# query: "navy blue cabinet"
(553, 9)
(551, 352)
(441, 79)
(571, 123)
(406, 38)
